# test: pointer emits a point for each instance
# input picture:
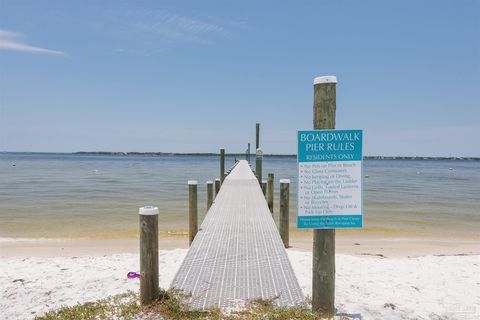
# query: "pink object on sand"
(133, 275)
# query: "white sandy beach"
(368, 287)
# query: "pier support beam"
(323, 276)
(217, 187)
(258, 165)
(264, 188)
(149, 288)
(270, 192)
(284, 211)
(222, 165)
(192, 210)
(257, 136)
(209, 194)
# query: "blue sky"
(195, 76)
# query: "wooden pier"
(237, 254)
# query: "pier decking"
(237, 254)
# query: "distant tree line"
(109, 153)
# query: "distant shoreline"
(209, 154)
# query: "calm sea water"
(63, 195)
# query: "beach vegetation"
(173, 305)
(121, 306)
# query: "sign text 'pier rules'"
(330, 176)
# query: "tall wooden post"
(192, 210)
(248, 153)
(258, 165)
(323, 277)
(217, 186)
(222, 165)
(264, 188)
(149, 288)
(209, 194)
(284, 210)
(257, 136)
(270, 192)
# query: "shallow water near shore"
(97, 197)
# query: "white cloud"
(9, 34)
(10, 40)
(159, 24)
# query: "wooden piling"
(264, 188)
(284, 211)
(222, 165)
(258, 165)
(209, 194)
(192, 210)
(149, 288)
(270, 192)
(217, 186)
(323, 273)
(257, 136)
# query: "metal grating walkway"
(237, 254)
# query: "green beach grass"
(171, 305)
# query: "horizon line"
(127, 153)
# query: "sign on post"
(330, 176)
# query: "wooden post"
(284, 210)
(264, 188)
(192, 210)
(217, 187)
(257, 136)
(248, 153)
(323, 277)
(270, 192)
(222, 165)
(149, 288)
(258, 165)
(209, 194)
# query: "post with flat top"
(217, 186)
(258, 165)
(284, 211)
(248, 153)
(257, 136)
(209, 194)
(192, 210)
(149, 288)
(264, 188)
(222, 165)
(323, 277)
(270, 192)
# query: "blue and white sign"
(330, 179)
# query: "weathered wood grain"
(149, 288)
(284, 211)
(323, 273)
(270, 191)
